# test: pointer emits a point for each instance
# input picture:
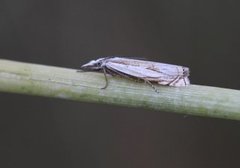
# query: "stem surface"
(50, 81)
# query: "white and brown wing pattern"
(163, 74)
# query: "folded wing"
(145, 73)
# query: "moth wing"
(168, 70)
(181, 82)
(164, 69)
(135, 71)
(164, 77)
(176, 82)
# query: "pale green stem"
(49, 81)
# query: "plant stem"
(49, 81)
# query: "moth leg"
(105, 75)
(110, 72)
(148, 82)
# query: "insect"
(148, 71)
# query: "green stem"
(49, 81)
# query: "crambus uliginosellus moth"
(148, 71)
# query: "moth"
(148, 71)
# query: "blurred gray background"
(45, 132)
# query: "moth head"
(93, 65)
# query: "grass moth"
(148, 71)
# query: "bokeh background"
(45, 132)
